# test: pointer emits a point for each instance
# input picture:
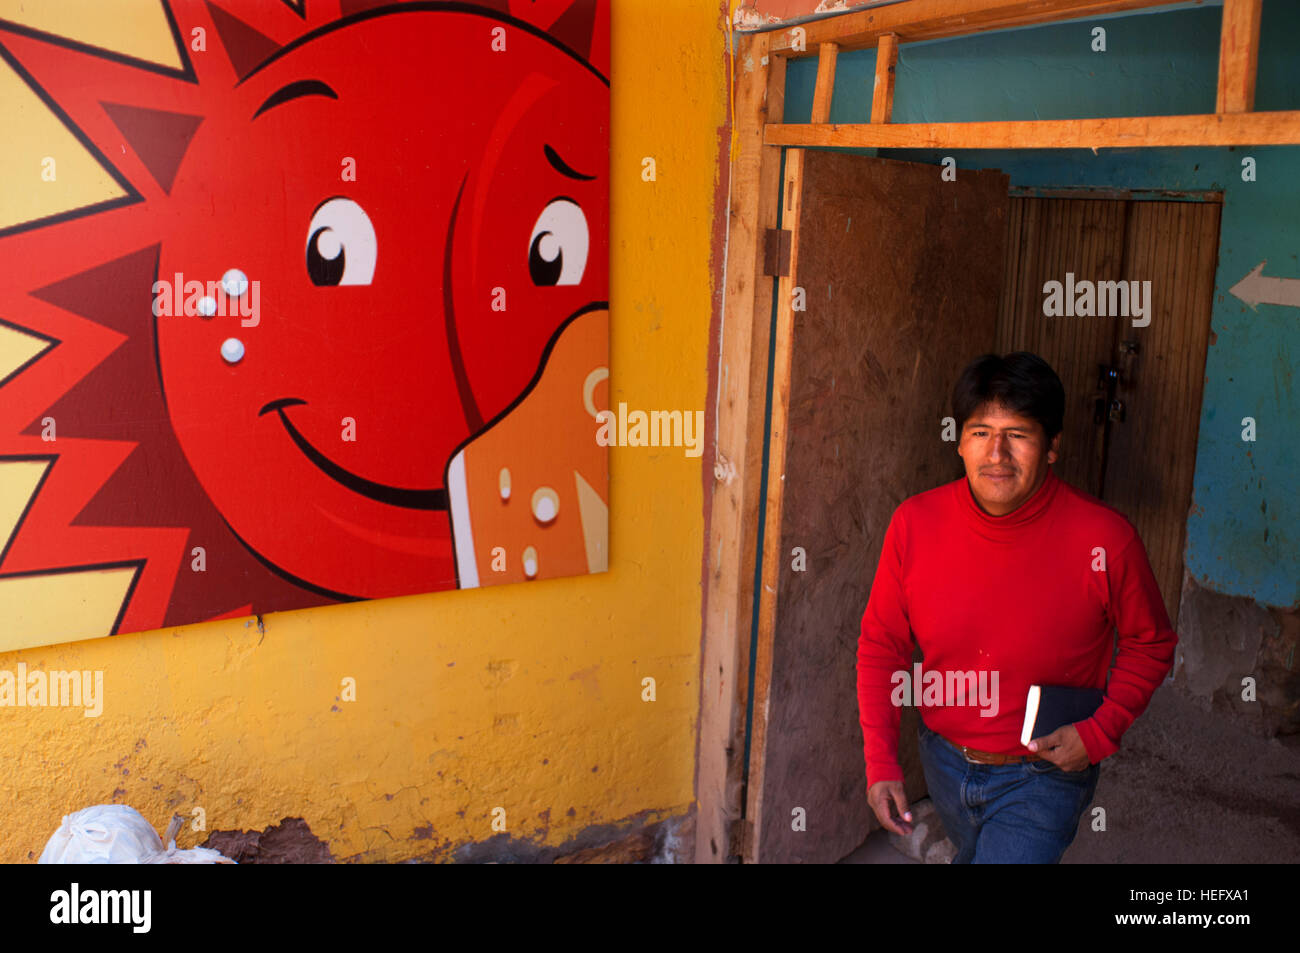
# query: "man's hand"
(879, 796)
(1064, 748)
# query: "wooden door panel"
(1174, 245)
(1049, 238)
(902, 274)
(1150, 456)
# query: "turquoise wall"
(1243, 534)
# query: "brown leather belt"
(987, 757)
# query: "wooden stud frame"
(882, 94)
(745, 330)
(1238, 54)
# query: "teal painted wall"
(1243, 534)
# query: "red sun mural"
(300, 302)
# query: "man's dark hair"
(1024, 383)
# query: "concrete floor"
(1186, 787)
(876, 849)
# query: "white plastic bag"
(117, 834)
(195, 855)
(103, 834)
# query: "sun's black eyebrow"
(304, 87)
(561, 166)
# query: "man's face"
(1006, 457)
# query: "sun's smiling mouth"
(411, 499)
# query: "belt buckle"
(969, 759)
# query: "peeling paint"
(289, 842)
(640, 839)
(1226, 639)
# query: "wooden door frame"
(745, 326)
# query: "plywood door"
(901, 273)
(1143, 464)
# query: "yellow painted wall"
(525, 697)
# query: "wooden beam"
(825, 87)
(782, 344)
(734, 498)
(770, 197)
(882, 95)
(938, 19)
(1238, 56)
(1116, 195)
(1227, 129)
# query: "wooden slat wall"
(1152, 454)
(1046, 239)
(1175, 246)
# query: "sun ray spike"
(245, 47)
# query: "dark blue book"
(1051, 706)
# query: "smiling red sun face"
(414, 227)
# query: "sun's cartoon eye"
(341, 246)
(557, 250)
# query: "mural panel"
(300, 302)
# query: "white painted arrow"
(1256, 289)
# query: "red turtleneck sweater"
(1016, 594)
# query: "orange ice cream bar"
(529, 497)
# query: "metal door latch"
(1107, 376)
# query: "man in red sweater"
(1006, 578)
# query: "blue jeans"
(1021, 813)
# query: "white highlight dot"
(232, 350)
(329, 244)
(530, 562)
(503, 481)
(546, 504)
(549, 247)
(234, 282)
(207, 306)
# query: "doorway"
(904, 276)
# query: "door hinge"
(776, 252)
